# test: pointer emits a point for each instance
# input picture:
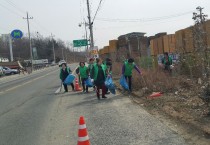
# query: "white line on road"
(26, 83)
(16, 77)
(58, 90)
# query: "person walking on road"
(90, 69)
(127, 70)
(83, 72)
(99, 73)
(64, 72)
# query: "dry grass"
(153, 80)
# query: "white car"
(9, 71)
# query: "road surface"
(31, 113)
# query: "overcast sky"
(61, 17)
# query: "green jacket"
(90, 68)
(169, 60)
(83, 72)
(104, 64)
(107, 67)
(95, 71)
(69, 71)
(128, 69)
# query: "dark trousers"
(79, 79)
(129, 80)
(107, 90)
(66, 87)
(85, 88)
(103, 87)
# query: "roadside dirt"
(181, 109)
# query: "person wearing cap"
(64, 72)
(127, 70)
(99, 73)
(83, 72)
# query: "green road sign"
(79, 43)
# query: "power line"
(15, 6)
(97, 10)
(144, 19)
(42, 27)
(136, 25)
(22, 11)
(11, 10)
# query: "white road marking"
(16, 77)
(26, 83)
(58, 90)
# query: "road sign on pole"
(80, 43)
(17, 34)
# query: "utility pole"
(29, 35)
(201, 52)
(74, 54)
(10, 48)
(199, 18)
(90, 26)
(53, 46)
(86, 35)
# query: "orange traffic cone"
(83, 138)
(77, 87)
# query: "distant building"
(4, 59)
(133, 44)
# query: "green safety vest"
(90, 67)
(129, 69)
(83, 72)
(96, 71)
(169, 59)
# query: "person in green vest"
(83, 72)
(127, 70)
(167, 62)
(99, 75)
(90, 69)
(64, 72)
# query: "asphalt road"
(32, 114)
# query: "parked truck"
(12, 65)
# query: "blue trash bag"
(124, 83)
(70, 78)
(110, 85)
(88, 82)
